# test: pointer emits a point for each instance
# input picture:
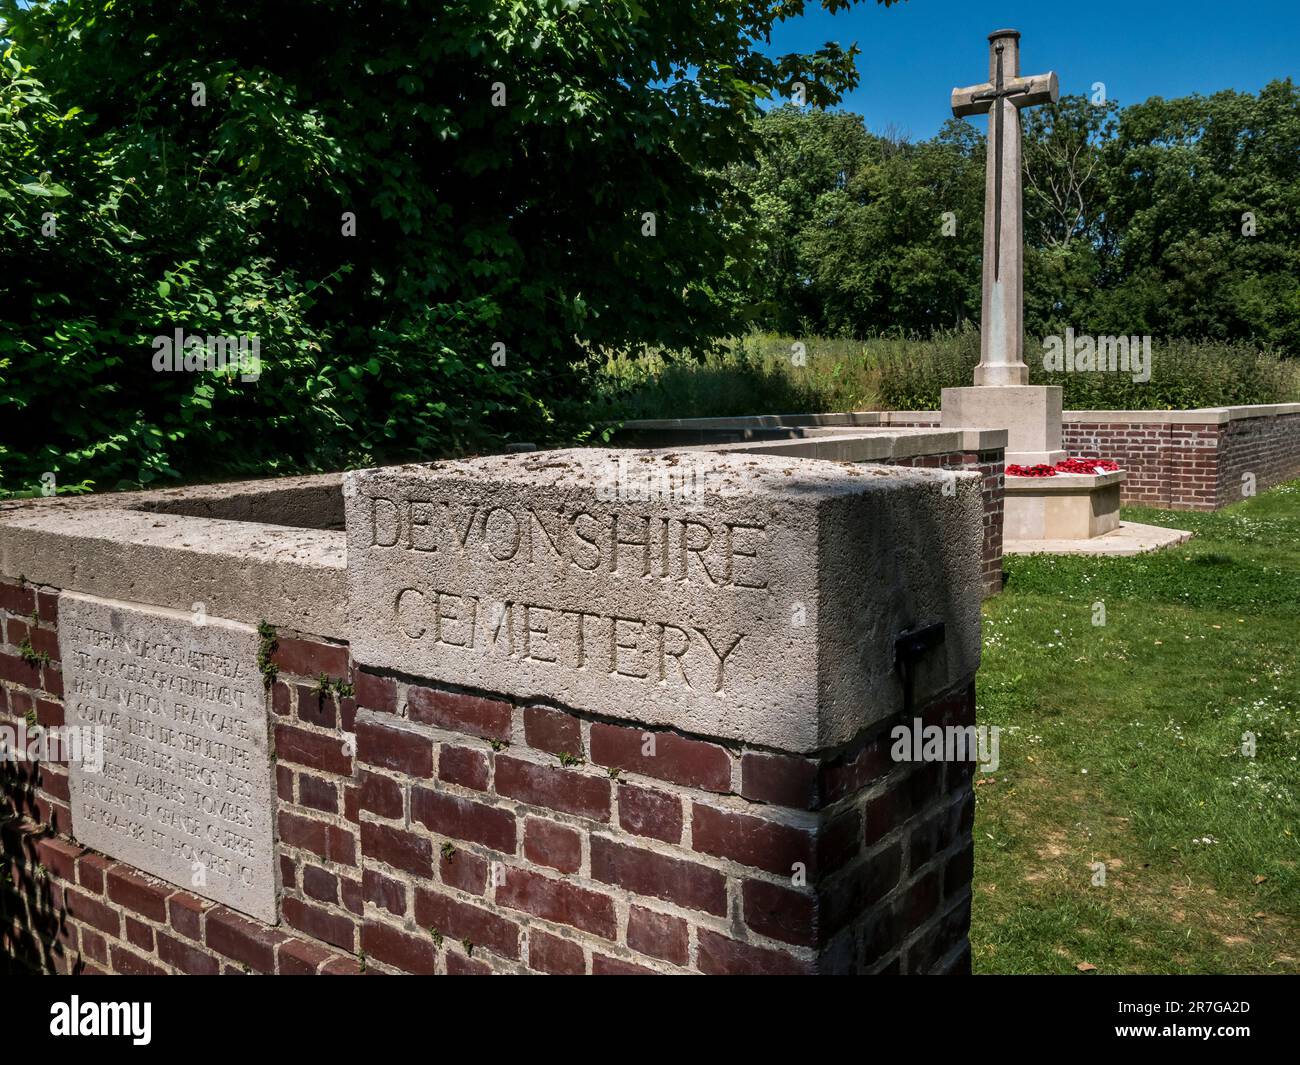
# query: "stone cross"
(1002, 316)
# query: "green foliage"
(758, 374)
(204, 161)
(1135, 221)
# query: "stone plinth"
(1069, 506)
(1031, 414)
(732, 595)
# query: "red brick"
(463, 766)
(847, 896)
(55, 782)
(280, 698)
(780, 912)
(657, 935)
(129, 964)
(450, 815)
(393, 748)
(547, 843)
(350, 893)
(601, 965)
(384, 892)
(489, 718)
(647, 812)
(188, 959)
(720, 956)
(298, 831)
(958, 871)
(401, 850)
(693, 886)
(337, 966)
(59, 856)
(135, 893)
(15, 631)
(319, 923)
(47, 607)
(460, 965)
(465, 871)
(380, 795)
(91, 911)
(320, 884)
(374, 692)
(552, 730)
(693, 763)
(312, 749)
(854, 770)
(187, 914)
(558, 901)
(306, 658)
(15, 669)
(241, 940)
(300, 958)
(410, 954)
(556, 788)
(95, 946)
(779, 779)
(753, 841)
(17, 599)
(461, 920)
(139, 934)
(49, 714)
(284, 782)
(45, 642)
(316, 708)
(550, 954)
(318, 794)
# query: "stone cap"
(1194, 416)
(242, 570)
(745, 597)
(869, 445)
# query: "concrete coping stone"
(734, 595)
(1198, 416)
(241, 570)
(866, 445)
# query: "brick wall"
(426, 830)
(1192, 465)
(991, 466)
(1178, 465)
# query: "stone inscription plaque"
(186, 785)
(742, 597)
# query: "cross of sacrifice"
(1002, 96)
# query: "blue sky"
(915, 52)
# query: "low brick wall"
(427, 830)
(1177, 460)
(990, 465)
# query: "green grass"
(1121, 743)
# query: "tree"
(428, 211)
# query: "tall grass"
(767, 374)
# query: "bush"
(757, 375)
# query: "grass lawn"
(1121, 744)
